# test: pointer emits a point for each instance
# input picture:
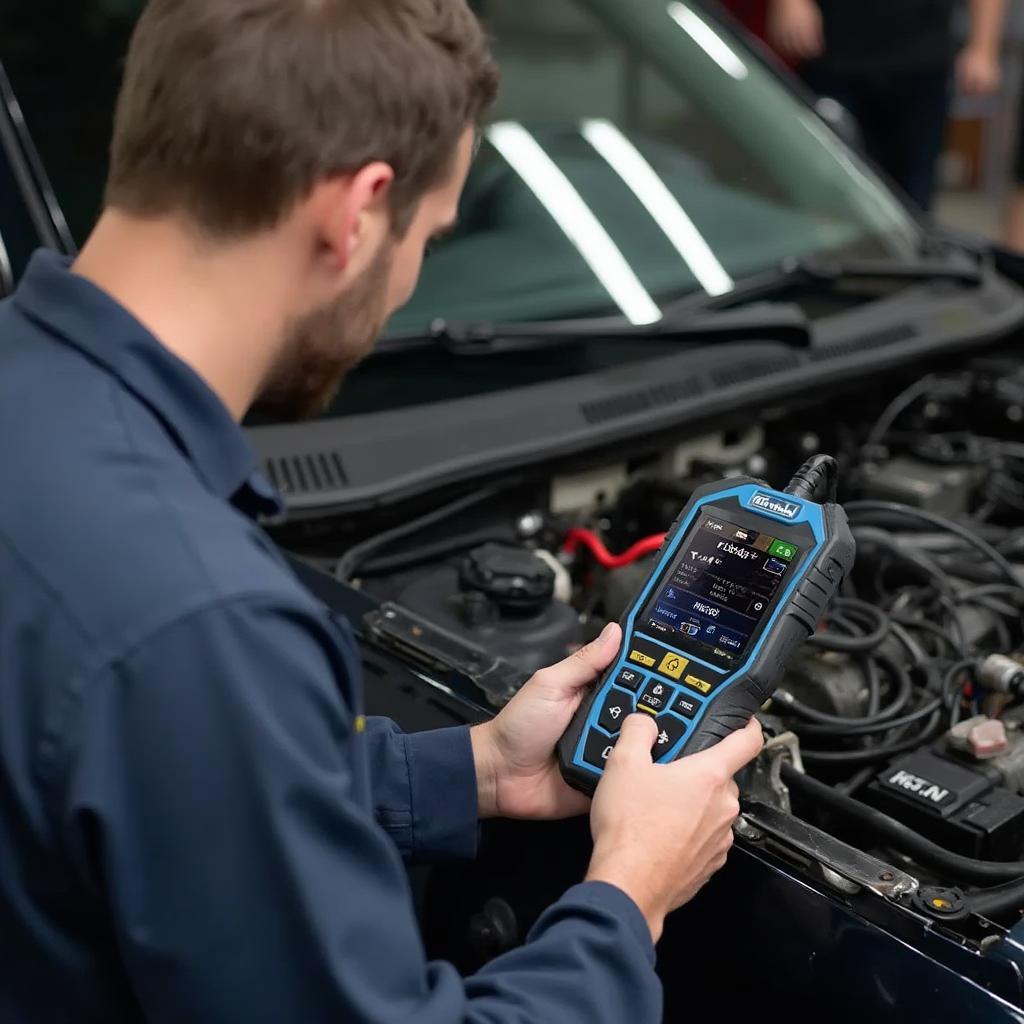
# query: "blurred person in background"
(893, 64)
(1015, 213)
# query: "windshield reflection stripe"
(645, 183)
(708, 40)
(559, 197)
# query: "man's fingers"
(636, 741)
(738, 749)
(583, 667)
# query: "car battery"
(960, 809)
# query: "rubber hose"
(901, 837)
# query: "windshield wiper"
(888, 270)
(780, 322)
(823, 271)
(697, 319)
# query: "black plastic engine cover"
(956, 807)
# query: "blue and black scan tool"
(743, 579)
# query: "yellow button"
(360, 724)
(640, 658)
(698, 684)
(673, 666)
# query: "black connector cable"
(869, 537)
(855, 757)
(862, 615)
(355, 558)
(932, 705)
(997, 901)
(951, 697)
(900, 836)
(816, 480)
(921, 516)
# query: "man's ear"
(354, 217)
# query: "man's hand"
(978, 72)
(661, 831)
(516, 766)
(795, 29)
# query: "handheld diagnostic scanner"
(743, 579)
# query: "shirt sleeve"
(218, 804)
(424, 790)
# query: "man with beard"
(196, 821)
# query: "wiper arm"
(823, 271)
(780, 322)
(696, 319)
(888, 270)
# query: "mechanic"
(196, 821)
(892, 63)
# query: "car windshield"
(639, 153)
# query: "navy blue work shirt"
(194, 824)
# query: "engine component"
(832, 683)
(944, 489)
(419, 641)
(515, 580)
(1010, 765)
(1005, 766)
(723, 451)
(502, 599)
(590, 540)
(1002, 674)
(563, 578)
(980, 737)
(957, 807)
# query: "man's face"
(323, 346)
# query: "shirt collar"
(82, 315)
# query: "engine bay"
(898, 735)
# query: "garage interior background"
(977, 167)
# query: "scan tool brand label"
(777, 506)
(922, 789)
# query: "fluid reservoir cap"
(988, 739)
(981, 737)
(515, 579)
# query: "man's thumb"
(637, 739)
(583, 667)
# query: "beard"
(323, 347)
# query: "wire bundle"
(931, 597)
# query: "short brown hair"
(232, 110)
